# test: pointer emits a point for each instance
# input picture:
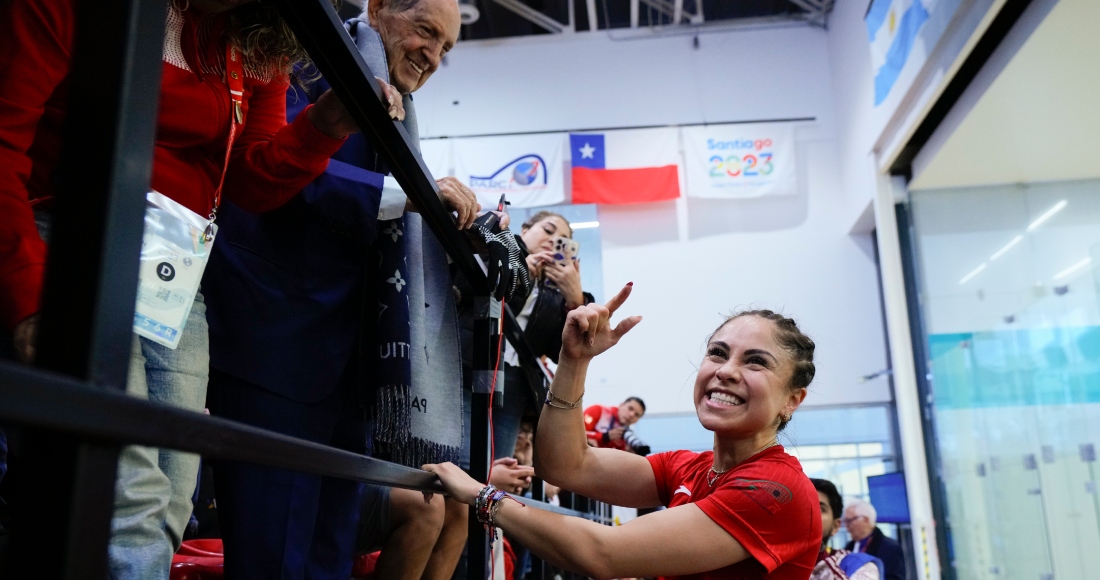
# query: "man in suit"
(860, 517)
(287, 310)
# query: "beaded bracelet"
(551, 398)
(486, 507)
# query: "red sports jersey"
(598, 420)
(766, 503)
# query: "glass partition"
(1009, 282)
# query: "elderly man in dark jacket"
(860, 517)
(289, 300)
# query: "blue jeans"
(506, 418)
(154, 486)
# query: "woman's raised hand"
(588, 330)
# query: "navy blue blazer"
(889, 551)
(284, 289)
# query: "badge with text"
(174, 251)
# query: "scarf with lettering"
(413, 357)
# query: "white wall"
(853, 95)
(692, 260)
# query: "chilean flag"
(629, 166)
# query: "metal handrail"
(73, 401)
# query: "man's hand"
(568, 278)
(588, 330)
(459, 198)
(510, 476)
(393, 99)
(25, 337)
(615, 434)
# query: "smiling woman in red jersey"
(743, 510)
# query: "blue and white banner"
(740, 160)
(528, 169)
(892, 29)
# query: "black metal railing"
(71, 407)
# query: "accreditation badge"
(174, 251)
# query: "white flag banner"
(740, 160)
(437, 156)
(527, 168)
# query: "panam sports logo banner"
(740, 160)
(528, 169)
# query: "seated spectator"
(269, 161)
(839, 564)
(610, 426)
(860, 518)
(410, 530)
(405, 526)
(754, 376)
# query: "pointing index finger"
(618, 299)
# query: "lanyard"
(866, 544)
(234, 77)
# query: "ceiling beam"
(593, 20)
(533, 16)
(669, 9)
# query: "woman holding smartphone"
(556, 290)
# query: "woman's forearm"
(560, 442)
(566, 542)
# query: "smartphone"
(565, 250)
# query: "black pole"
(61, 519)
(486, 376)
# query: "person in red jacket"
(745, 510)
(195, 160)
(608, 426)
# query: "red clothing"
(598, 420)
(271, 161)
(767, 504)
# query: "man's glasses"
(847, 521)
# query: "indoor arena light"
(1006, 248)
(1049, 213)
(1073, 268)
(973, 273)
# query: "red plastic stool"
(198, 560)
(364, 565)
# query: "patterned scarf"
(413, 358)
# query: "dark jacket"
(888, 550)
(284, 289)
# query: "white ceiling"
(1040, 118)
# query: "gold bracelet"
(551, 398)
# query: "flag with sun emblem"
(892, 28)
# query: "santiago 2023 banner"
(740, 160)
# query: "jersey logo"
(683, 489)
(767, 494)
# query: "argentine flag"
(892, 27)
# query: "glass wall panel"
(1009, 279)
